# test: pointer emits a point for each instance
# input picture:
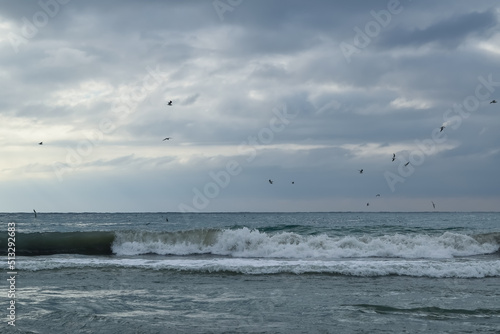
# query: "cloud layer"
(293, 91)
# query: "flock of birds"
(169, 103)
(393, 159)
(362, 170)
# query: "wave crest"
(249, 243)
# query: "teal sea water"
(253, 272)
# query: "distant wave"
(247, 243)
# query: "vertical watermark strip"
(11, 264)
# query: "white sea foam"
(248, 243)
(437, 268)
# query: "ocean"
(125, 273)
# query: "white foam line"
(466, 268)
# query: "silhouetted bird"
(40, 143)
(367, 204)
(34, 212)
(442, 128)
(378, 195)
(169, 103)
(433, 205)
(293, 182)
(270, 181)
(393, 156)
(168, 138)
(360, 171)
(494, 101)
(406, 164)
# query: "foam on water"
(468, 268)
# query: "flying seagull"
(393, 156)
(442, 128)
(169, 103)
(433, 205)
(34, 212)
(40, 143)
(494, 101)
(270, 181)
(360, 171)
(168, 138)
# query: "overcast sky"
(308, 92)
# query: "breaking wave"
(249, 243)
(246, 251)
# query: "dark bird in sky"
(406, 164)
(367, 204)
(360, 171)
(169, 103)
(34, 212)
(433, 205)
(293, 182)
(442, 128)
(168, 138)
(270, 181)
(40, 143)
(393, 156)
(378, 195)
(494, 101)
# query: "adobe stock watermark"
(452, 118)
(222, 6)
(30, 26)
(372, 29)
(128, 103)
(220, 179)
(12, 273)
